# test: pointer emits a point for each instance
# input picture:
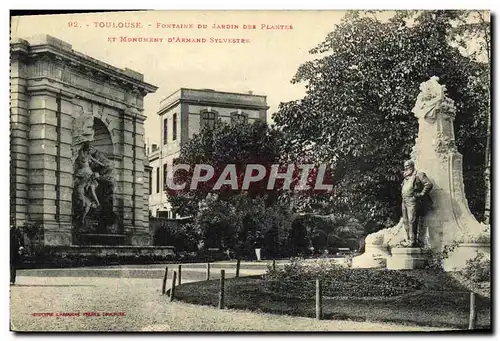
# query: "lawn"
(442, 302)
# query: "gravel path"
(138, 305)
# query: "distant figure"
(416, 200)
(16, 248)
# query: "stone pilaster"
(48, 177)
(146, 180)
(66, 164)
(132, 180)
(19, 129)
(126, 179)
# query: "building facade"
(182, 114)
(66, 106)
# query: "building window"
(150, 182)
(208, 119)
(174, 127)
(239, 117)
(165, 172)
(165, 131)
(158, 180)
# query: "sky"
(265, 65)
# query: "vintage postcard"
(250, 171)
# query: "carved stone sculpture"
(85, 182)
(450, 220)
(94, 181)
(429, 99)
(83, 131)
(106, 190)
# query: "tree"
(241, 223)
(239, 144)
(356, 113)
(327, 231)
(236, 220)
(475, 26)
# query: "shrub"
(435, 260)
(183, 236)
(297, 279)
(477, 269)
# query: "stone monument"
(449, 221)
(77, 148)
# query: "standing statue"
(107, 189)
(86, 181)
(416, 200)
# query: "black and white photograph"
(251, 170)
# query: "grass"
(443, 302)
(146, 310)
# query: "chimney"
(250, 92)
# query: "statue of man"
(416, 200)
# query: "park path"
(141, 307)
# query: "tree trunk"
(487, 170)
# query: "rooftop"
(213, 97)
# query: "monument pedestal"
(375, 256)
(406, 258)
(457, 260)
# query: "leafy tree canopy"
(360, 90)
(239, 144)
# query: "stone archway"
(102, 138)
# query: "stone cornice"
(208, 97)
(152, 158)
(50, 87)
(59, 49)
(213, 103)
(19, 48)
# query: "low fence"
(319, 296)
(177, 275)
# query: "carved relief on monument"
(414, 151)
(66, 74)
(94, 177)
(83, 78)
(444, 145)
(83, 127)
(428, 100)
